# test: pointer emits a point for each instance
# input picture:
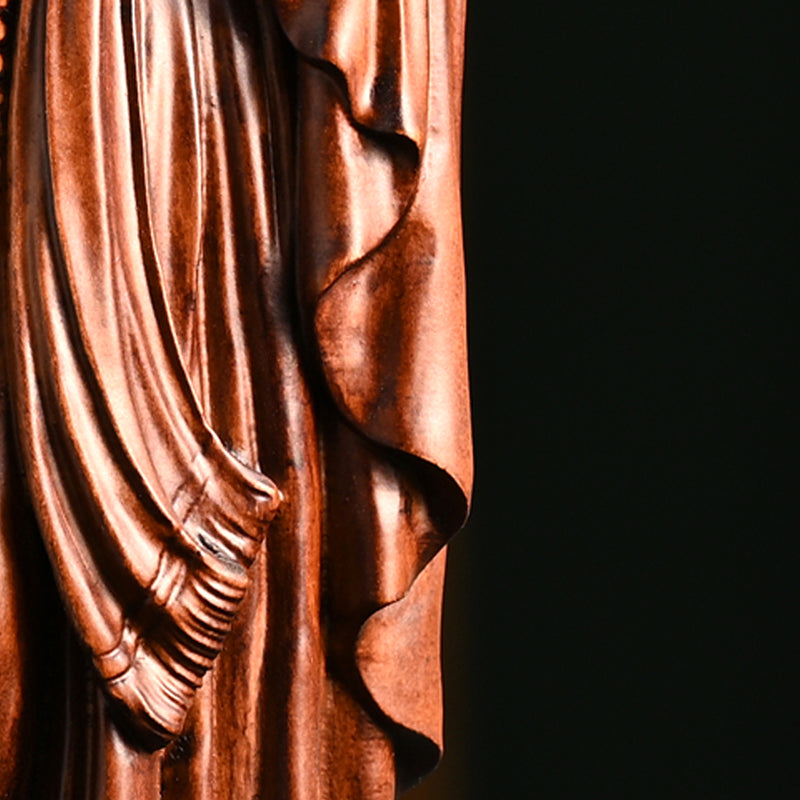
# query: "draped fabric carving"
(236, 391)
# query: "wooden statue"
(234, 422)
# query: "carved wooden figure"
(234, 422)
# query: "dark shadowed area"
(618, 613)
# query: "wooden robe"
(233, 396)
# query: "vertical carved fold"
(380, 265)
(131, 485)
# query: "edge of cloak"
(383, 281)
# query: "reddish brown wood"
(234, 422)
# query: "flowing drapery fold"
(139, 501)
(381, 264)
(137, 246)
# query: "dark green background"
(619, 617)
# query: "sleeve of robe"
(149, 521)
(382, 281)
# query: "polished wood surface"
(233, 396)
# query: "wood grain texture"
(235, 421)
